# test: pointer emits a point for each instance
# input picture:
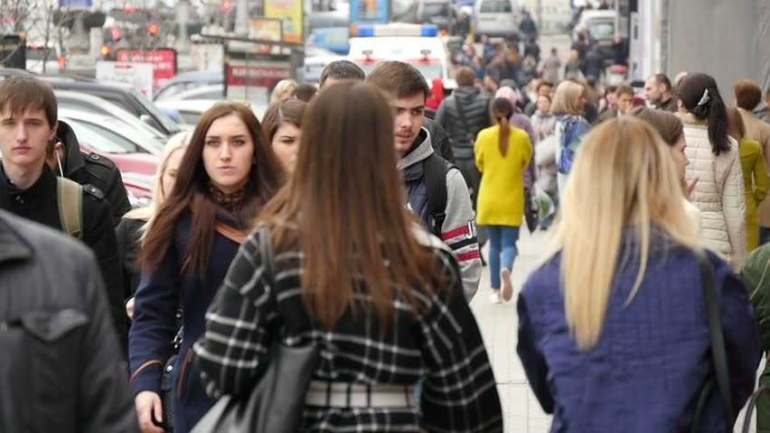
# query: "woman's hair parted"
(700, 95)
(344, 209)
(290, 111)
(623, 177)
(502, 110)
(191, 192)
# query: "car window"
(436, 10)
(72, 104)
(495, 6)
(190, 117)
(602, 29)
(164, 123)
(170, 91)
(102, 139)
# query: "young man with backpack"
(436, 190)
(30, 189)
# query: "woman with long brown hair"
(283, 126)
(503, 153)
(226, 176)
(355, 275)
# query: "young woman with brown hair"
(355, 275)
(282, 125)
(226, 176)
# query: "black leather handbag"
(276, 403)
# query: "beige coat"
(719, 193)
(758, 130)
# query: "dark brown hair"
(747, 94)
(304, 92)
(400, 79)
(344, 209)
(663, 79)
(191, 193)
(290, 111)
(465, 76)
(737, 127)
(21, 93)
(502, 110)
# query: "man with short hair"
(748, 95)
(659, 92)
(463, 114)
(30, 189)
(624, 98)
(59, 362)
(436, 191)
(544, 88)
(340, 70)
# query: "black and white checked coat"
(441, 348)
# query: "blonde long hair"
(566, 99)
(177, 142)
(623, 176)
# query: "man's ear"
(54, 130)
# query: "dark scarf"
(229, 202)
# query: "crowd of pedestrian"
(347, 225)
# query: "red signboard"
(163, 61)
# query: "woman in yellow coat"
(502, 156)
(755, 178)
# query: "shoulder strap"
(266, 254)
(464, 121)
(435, 171)
(718, 353)
(230, 232)
(70, 202)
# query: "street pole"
(182, 18)
(242, 17)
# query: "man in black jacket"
(89, 169)
(60, 366)
(462, 130)
(28, 187)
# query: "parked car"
(602, 25)
(98, 106)
(214, 92)
(187, 81)
(109, 135)
(441, 13)
(187, 111)
(496, 18)
(123, 97)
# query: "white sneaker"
(507, 291)
(495, 297)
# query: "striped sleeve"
(459, 232)
(237, 341)
(460, 392)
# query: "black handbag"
(721, 378)
(531, 216)
(276, 403)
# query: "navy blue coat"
(653, 357)
(154, 326)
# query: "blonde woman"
(283, 91)
(568, 106)
(134, 224)
(613, 330)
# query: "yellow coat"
(755, 181)
(501, 194)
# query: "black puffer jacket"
(475, 106)
(60, 366)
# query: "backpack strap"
(435, 170)
(70, 202)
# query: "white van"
(496, 18)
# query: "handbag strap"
(266, 254)
(230, 232)
(750, 408)
(718, 353)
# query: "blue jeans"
(502, 246)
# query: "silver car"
(496, 18)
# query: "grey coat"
(60, 365)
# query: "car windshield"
(495, 6)
(436, 10)
(102, 140)
(602, 30)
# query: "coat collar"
(12, 246)
(74, 160)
